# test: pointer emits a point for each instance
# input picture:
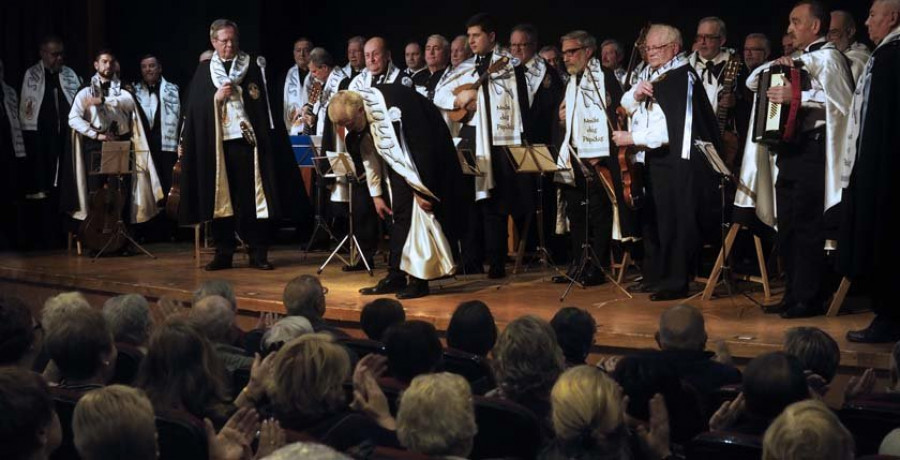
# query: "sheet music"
(712, 157)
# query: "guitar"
(464, 114)
(314, 93)
(730, 140)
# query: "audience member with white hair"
(807, 430)
(449, 435)
(214, 317)
(282, 332)
(128, 316)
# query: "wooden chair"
(716, 272)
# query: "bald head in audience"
(213, 316)
(682, 328)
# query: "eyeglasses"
(571, 52)
(754, 50)
(229, 41)
(708, 37)
(650, 49)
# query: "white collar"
(818, 40)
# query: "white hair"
(285, 330)
(672, 33)
(56, 309)
(128, 316)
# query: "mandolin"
(464, 114)
(730, 141)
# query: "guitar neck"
(728, 77)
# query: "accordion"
(776, 123)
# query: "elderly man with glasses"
(669, 111)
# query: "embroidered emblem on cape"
(395, 113)
(254, 91)
(29, 108)
(407, 82)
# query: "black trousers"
(240, 169)
(677, 189)
(595, 222)
(800, 197)
(402, 201)
(366, 223)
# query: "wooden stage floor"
(622, 322)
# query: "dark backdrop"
(176, 30)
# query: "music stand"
(721, 169)
(467, 160)
(341, 165)
(536, 159)
(587, 249)
(306, 149)
(117, 158)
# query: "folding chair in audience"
(363, 347)
(127, 363)
(505, 430)
(181, 436)
(717, 445)
(870, 420)
(473, 367)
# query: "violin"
(630, 171)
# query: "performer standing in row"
(459, 51)
(415, 61)
(842, 33)
(380, 68)
(497, 121)
(868, 247)
(296, 86)
(12, 157)
(807, 188)
(670, 110)
(230, 148)
(437, 56)
(612, 56)
(104, 111)
(48, 90)
(402, 136)
(356, 60)
(160, 113)
(592, 96)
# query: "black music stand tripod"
(320, 223)
(342, 166)
(118, 159)
(587, 249)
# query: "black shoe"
(666, 294)
(259, 259)
(880, 330)
(219, 262)
(802, 310)
(388, 285)
(496, 272)
(414, 290)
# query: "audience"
(18, 339)
(452, 432)
(413, 348)
(682, 341)
(472, 328)
(29, 427)
(807, 430)
(817, 352)
(302, 386)
(589, 420)
(81, 346)
(214, 317)
(115, 422)
(283, 331)
(181, 372)
(574, 328)
(305, 296)
(643, 376)
(650, 404)
(772, 381)
(128, 316)
(224, 289)
(379, 315)
(527, 362)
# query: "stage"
(623, 323)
